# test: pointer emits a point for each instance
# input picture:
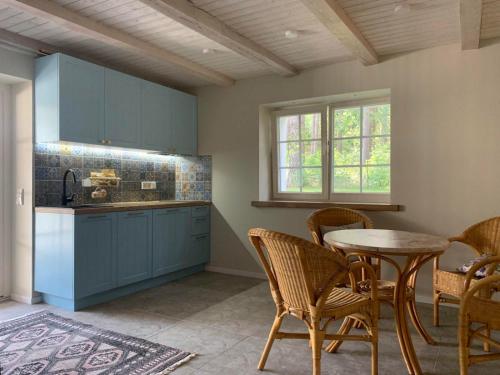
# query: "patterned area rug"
(44, 343)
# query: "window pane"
(311, 154)
(288, 128)
(346, 122)
(346, 152)
(346, 180)
(376, 179)
(310, 126)
(289, 180)
(289, 154)
(311, 180)
(377, 150)
(377, 119)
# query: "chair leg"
(463, 349)
(486, 345)
(274, 329)
(437, 296)
(317, 337)
(344, 329)
(374, 351)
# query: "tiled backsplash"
(182, 178)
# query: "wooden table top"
(388, 242)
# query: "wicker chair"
(448, 285)
(302, 277)
(474, 308)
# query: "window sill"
(312, 204)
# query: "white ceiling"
(427, 24)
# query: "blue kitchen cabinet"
(156, 117)
(171, 235)
(76, 101)
(69, 100)
(184, 123)
(82, 260)
(95, 253)
(122, 110)
(134, 246)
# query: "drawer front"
(200, 225)
(200, 250)
(198, 211)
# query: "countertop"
(120, 206)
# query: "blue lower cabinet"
(82, 260)
(134, 247)
(199, 252)
(170, 239)
(95, 253)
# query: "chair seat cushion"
(343, 303)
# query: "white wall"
(16, 72)
(445, 147)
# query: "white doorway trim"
(5, 177)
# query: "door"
(156, 117)
(81, 101)
(184, 123)
(122, 110)
(134, 246)
(95, 248)
(170, 240)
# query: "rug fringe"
(24, 315)
(176, 365)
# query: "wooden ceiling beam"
(187, 14)
(335, 19)
(98, 31)
(470, 23)
(42, 48)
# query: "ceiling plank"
(470, 23)
(96, 30)
(43, 48)
(335, 19)
(187, 14)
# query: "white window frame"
(327, 121)
(324, 153)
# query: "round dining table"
(416, 249)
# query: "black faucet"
(65, 198)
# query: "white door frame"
(5, 177)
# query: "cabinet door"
(184, 123)
(199, 253)
(134, 247)
(170, 240)
(95, 246)
(156, 117)
(81, 101)
(122, 110)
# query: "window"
(339, 152)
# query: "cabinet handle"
(97, 217)
(103, 141)
(199, 208)
(200, 219)
(174, 210)
(200, 237)
(135, 213)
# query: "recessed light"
(291, 34)
(402, 8)
(207, 51)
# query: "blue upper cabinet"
(122, 109)
(156, 117)
(69, 100)
(76, 101)
(184, 123)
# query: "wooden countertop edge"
(103, 210)
(305, 204)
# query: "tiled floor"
(225, 320)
